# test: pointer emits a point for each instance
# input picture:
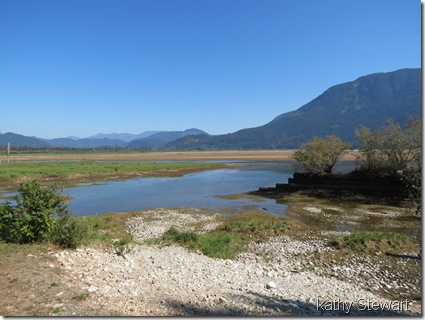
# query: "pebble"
(271, 285)
(180, 282)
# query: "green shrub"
(9, 224)
(69, 232)
(36, 206)
(41, 213)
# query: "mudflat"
(248, 155)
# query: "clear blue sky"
(80, 67)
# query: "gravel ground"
(269, 279)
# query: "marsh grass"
(214, 244)
(255, 225)
(372, 241)
(105, 228)
(68, 169)
(233, 234)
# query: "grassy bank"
(77, 168)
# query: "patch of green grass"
(215, 244)
(232, 236)
(372, 241)
(127, 239)
(81, 296)
(56, 310)
(14, 280)
(122, 246)
(181, 237)
(69, 168)
(258, 226)
(220, 245)
(104, 228)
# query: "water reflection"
(197, 189)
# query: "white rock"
(271, 285)
(92, 289)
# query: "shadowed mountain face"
(367, 101)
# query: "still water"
(199, 189)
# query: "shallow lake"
(197, 189)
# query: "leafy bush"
(41, 213)
(9, 224)
(69, 232)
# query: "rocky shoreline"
(282, 277)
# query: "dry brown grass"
(248, 155)
(32, 283)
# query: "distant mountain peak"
(160, 139)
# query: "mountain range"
(367, 101)
(147, 139)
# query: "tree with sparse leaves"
(394, 150)
(391, 148)
(320, 155)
